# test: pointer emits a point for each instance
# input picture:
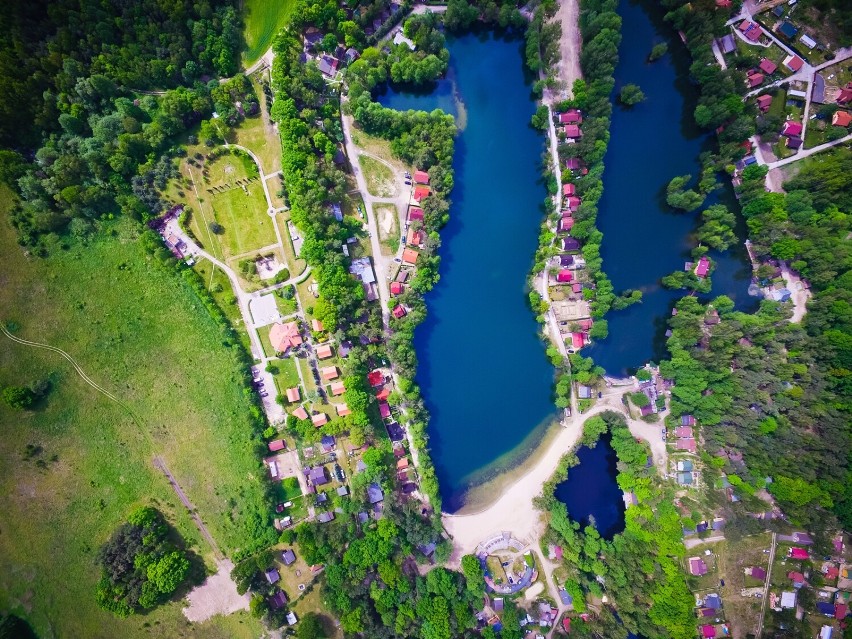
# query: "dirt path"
(161, 465)
(568, 68)
(798, 293)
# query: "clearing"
(381, 180)
(263, 20)
(78, 463)
(387, 217)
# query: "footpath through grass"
(264, 19)
(76, 465)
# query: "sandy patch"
(216, 596)
(534, 591)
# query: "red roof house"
(319, 419)
(793, 62)
(420, 192)
(415, 213)
(375, 378)
(337, 388)
(421, 177)
(841, 118)
(329, 372)
(683, 431)
(564, 275)
(278, 444)
(409, 256)
(574, 202)
(284, 336)
(398, 311)
(703, 267)
(572, 116)
(687, 444)
(585, 324)
(384, 410)
(708, 631)
(576, 287)
(573, 164)
(566, 223)
(764, 102)
(754, 80)
(578, 340)
(316, 325)
(796, 577)
(324, 351)
(792, 128)
(342, 410)
(293, 394)
(572, 131)
(568, 189)
(300, 413)
(413, 238)
(697, 566)
(840, 611)
(383, 394)
(396, 288)
(566, 624)
(767, 66)
(798, 553)
(845, 95)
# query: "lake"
(590, 491)
(482, 368)
(644, 239)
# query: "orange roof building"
(319, 419)
(293, 394)
(409, 256)
(284, 336)
(337, 388)
(316, 325)
(329, 372)
(413, 237)
(324, 351)
(420, 192)
(402, 463)
(300, 413)
(342, 410)
(399, 312)
(421, 177)
(841, 118)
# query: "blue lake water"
(644, 239)
(485, 377)
(590, 489)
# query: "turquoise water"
(643, 239)
(483, 371)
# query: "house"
(758, 573)
(727, 44)
(825, 632)
(421, 192)
(325, 517)
(396, 288)
(713, 601)
(788, 599)
(683, 431)
(803, 538)
(384, 410)
(767, 66)
(337, 212)
(337, 388)
(399, 311)
(808, 41)
(284, 336)
(342, 410)
(578, 340)
(288, 556)
(278, 600)
(329, 373)
(375, 378)
(684, 479)
(792, 128)
(574, 164)
(570, 244)
(845, 95)
(276, 445)
(409, 256)
(576, 287)
(788, 30)
(402, 276)
(351, 55)
(687, 444)
(818, 92)
(572, 131)
(413, 238)
(841, 118)
(383, 394)
(687, 420)
(374, 493)
(328, 65)
(415, 213)
(564, 276)
(825, 608)
(585, 324)
(293, 394)
(584, 392)
(566, 223)
(573, 202)
(764, 102)
(840, 611)
(703, 267)
(316, 476)
(327, 443)
(754, 80)
(793, 62)
(272, 575)
(300, 413)
(421, 177)
(793, 142)
(750, 30)
(324, 351)
(572, 116)
(319, 419)
(797, 578)
(568, 189)
(798, 553)
(697, 566)
(685, 466)
(316, 326)
(708, 631)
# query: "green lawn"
(220, 288)
(138, 330)
(380, 179)
(387, 218)
(258, 134)
(263, 20)
(242, 214)
(287, 376)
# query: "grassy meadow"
(78, 463)
(263, 19)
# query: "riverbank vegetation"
(638, 570)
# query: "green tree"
(630, 94)
(310, 627)
(18, 397)
(658, 51)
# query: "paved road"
(692, 542)
(809, 152)
(193, 511)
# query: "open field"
(258, 133)
(380, 179)
(312, 602)
(263, 19)
(219, 286)
(388, 220)
(140, 332)
(242, 214)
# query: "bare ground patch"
(216, 596)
